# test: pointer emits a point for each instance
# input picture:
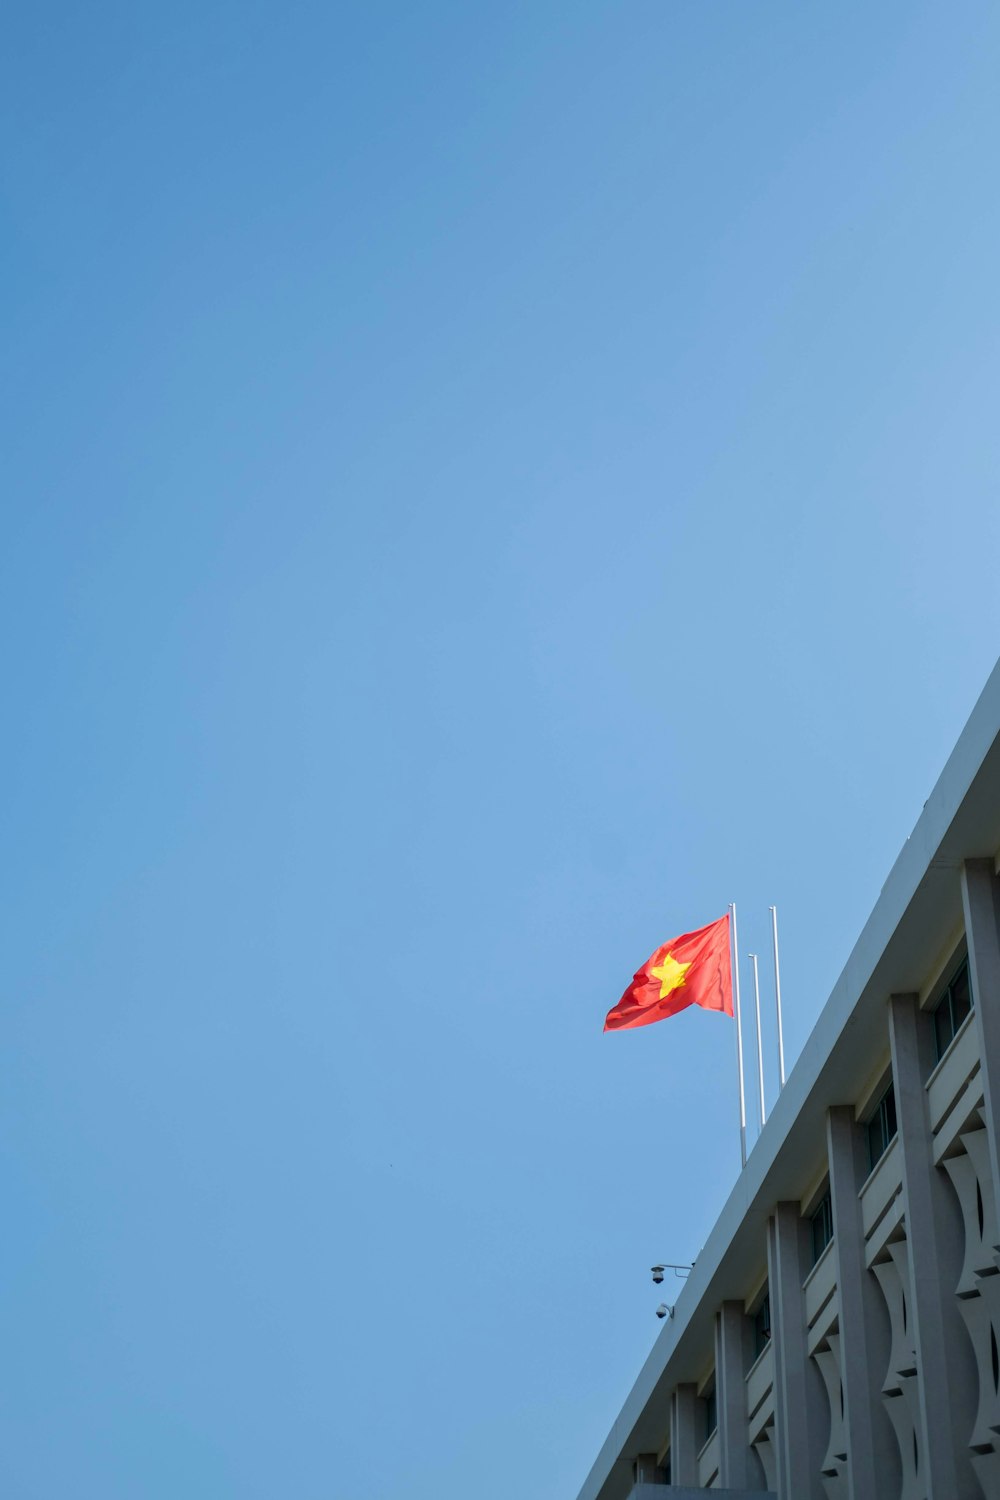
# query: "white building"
(839, 1335)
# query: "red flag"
(694, 969)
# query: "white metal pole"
(777, 995)
(734, 961)
(760, 1051)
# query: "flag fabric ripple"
(693, 969)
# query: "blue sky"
(486, 487)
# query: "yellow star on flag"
(670, 973)
(693, 969)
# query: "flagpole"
(760, 1051)
(734, 960)
(777, 994)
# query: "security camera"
(663, 1311)
(658, 1274)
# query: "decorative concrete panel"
(972, 1180)
(893, 1276)
(976, 1317)
(900, 1412)
(834, 1465)
(763, 1446)
(760, 1383)
(708, 1462)
(900, 1394)
(987, 1469)
(978, 1293)
(827, 1323)
(964, 1114)
(884, 1184)
(820, 1285)
(953, 1072)
(976, 1142)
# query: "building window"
(881, 1127)
(822, 1226)
(711, 1414)
(952, 1009)
(762, 1327)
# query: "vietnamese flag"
(694, 969)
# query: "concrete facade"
(880, 1379)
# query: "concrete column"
(798, 1397)
(731, 1364)
(982, 929)
(647, 1469)
(684, 1443)
(946, 1374)
(872, 1453)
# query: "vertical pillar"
(684, 1436)
(731, 1396)
(946, 1377)
(647, 1469)
(798, 1413)
(980, 901)
(872, 1453)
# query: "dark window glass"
(711, 1419)
(952, 1009)
(889, 1109)
(762, 1326)
(881, 1128)
(822, 1227)
(943, 1029)
(961, 995)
